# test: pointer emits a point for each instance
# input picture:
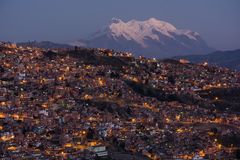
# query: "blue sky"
(218, 21)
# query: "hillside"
(228, 59)
(81, 103)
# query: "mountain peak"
(161, 24)
(152, 36)
(139, 31)
(115, 20)
(153, 19)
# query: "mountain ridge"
(155, 37)
(44, 44)
(229, 59)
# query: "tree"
(90, 133)
(1, 69)
(171, 80)
(121, 145)
(237, 153)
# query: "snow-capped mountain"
(151, 38)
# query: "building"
(100, 151)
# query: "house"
(100, 150)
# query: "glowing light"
(135, 79)
(12, 148)
(80, 147)
(179, 130)
(205, 63)
(202, 153)
(61, 78)
(184, 61)
(2, 115)
(91, 118)
(16, 117)
(87, 97)
(21, 96)
(7, 137)
(210, 133)
(63, 154)
(218, 120)
(168, 120)
(23, 82)
(42, 80)
(68, 145)
(93, 143)
(177, 117)
(7, 65)
(3, 103)
(88, 67)
(101, 82)
(67, 69)
(219, 146)
(133, 120)
(44, 105)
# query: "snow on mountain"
(151, 37)
(139, 31)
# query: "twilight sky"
(217, 21)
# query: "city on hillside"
(101, 104)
